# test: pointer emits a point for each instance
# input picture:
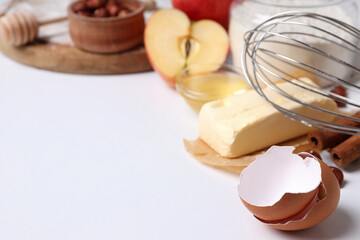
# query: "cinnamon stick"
(323, 139)
(346, 152)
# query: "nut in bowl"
(201, 87)
(106, 26)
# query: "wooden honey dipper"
(20, 28)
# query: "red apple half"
(173, 42)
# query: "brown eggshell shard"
(320, 203)
(300, 215)
(282, 209)
(279, 184)
(329, 199)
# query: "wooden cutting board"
(69, 59)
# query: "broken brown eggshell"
(289, 191)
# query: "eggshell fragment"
(289, 191)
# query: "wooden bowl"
(107, 35)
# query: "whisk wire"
(317, 50)
(261, 63)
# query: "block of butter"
(245, 123)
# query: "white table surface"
(101, 157)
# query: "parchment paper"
(205, 154)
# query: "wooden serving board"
(69, 59)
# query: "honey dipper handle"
(55, 20)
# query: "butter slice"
(245, 123)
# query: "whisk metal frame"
(259, 74)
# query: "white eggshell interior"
(278, 171)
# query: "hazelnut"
(338, 174)
(113, 2)
(100, 13)
(84, 13)
(94, 4)
(123, 13)
(315, 154)
(79, 6)
(340, 90)
(113, 8)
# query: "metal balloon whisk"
(293, 45)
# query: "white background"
(85, 157)
(101, 157)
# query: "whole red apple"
(217, 10)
